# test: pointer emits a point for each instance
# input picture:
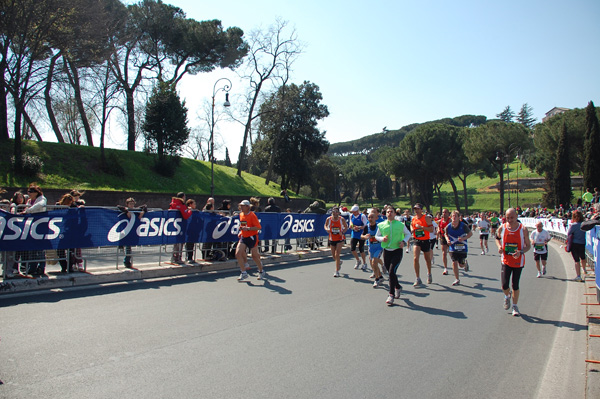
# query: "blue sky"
(392, 63)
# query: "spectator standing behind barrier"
(587, 197)
(178, 203)
(128, 208)
(272, 208)
(36, 264)
(11, 268)
(66, 258)
(287, 243)
(578, 244)
(79, 203)
(189, 246)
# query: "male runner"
(358, 221)
(375, 249)
(249, 228)
(484, 231)
(421, 228)
(457, 233)
(444, 221)
(512, 240)
(539, 239)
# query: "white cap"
(355, 208)
(245, 202)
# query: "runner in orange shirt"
(421, 227)
(249, 228)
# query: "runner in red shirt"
(442, 223)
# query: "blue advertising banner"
(98, 227)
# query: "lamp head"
(226, 103)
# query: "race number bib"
(460, 247)
(540, 247)
(419, 233)
(243, 223)
(510, 248)
(373, 240)
(335, 230)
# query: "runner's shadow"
(479, 286)
(452, 288)
(272, 287)
(556, 323)
(478, 277)
(433, 311)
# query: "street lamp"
(335, 176)
(226, 87)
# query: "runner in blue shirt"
(457, 233)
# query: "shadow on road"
(556, 323)
(433, 311)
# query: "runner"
(393, 236)
(249, 228)
(358, 221)
(336, 227)
(484, 231)
(457, 233)
(512, 240)
(406, 218)
(375, 249)
(495, 222)
(444, 221)
(539, 239)
(433, 236)
(421, 228)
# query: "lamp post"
(338, 195)
(226, 87)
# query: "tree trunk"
(247, 128)
(464, 183)
(455, 190)
(130, 119)
(32, 126)
(3, 99)
(49, 110)
(18, 150)
(74, 79)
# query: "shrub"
(166, 166)
(32, 164)
(113, 165)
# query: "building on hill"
(554, 111)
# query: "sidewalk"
(146, 271)
(593, 348)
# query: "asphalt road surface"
(300, 334)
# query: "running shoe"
(262, 275)
(418, 283)
(364, 266)
(376, 283)
(246, 266)
(506, 302)
(487, 250)
(357, 265)
(466, 266)
(429, 279)
(544, 270)
(578, 279)
(384, 270)
(243, 276)
(483, 252)
(372, 275)
(456, 282)
(336, 274)
(515, 311)
(539, 275)
(445, 272)
(390, 300)
(397, 292)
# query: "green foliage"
(591, 169)
(507, 115)
(166, 122)
(562, 177)
(32, 165)
(525, 116)
(166, 166)
(112, 165)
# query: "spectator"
(36, 264)
(189, 246)
(578, 244)
(285, 195)
(288, 244)
(178, 203)
(210, 204)
(225, 208)
(272, 208)
(11, 268)
(66, 258)
(129, 207)
(78, 202)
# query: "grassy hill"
(68, 166)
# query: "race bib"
(483, 230)
(460, 246)
(510, 248)
(243, 223)
(335, 230)
(540, 247)
(373, 240)
(419, 233)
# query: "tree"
(562, 173)
(227, 159)
(507, 115)
(166, 121)
(525, 116)
(496, 142)
(292, 126)
(271, 55)
(591, 167)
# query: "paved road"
(301, 334)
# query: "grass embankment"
(69, 166)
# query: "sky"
(392, 63)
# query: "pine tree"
(562, 170)
(591, 166)
(227, 159)
(507, 115)
(525, 116)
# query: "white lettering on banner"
(16, 230)
(223, 227)
(147, 228)
(297, 226)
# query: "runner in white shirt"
(484, 232)
(539, 240)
